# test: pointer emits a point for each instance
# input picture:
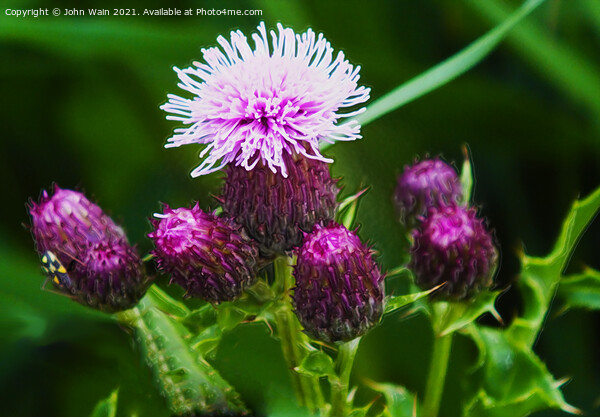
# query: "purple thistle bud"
(429, 183)
(453, 246)
(207, 255)
(275, 211)
(339, 288)
(102, 270)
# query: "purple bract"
(207, 255)
(104, 270)
(339, 288)
(429, 183)
(453, 246)
(276, 211)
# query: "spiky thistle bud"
(452, 245)
(339, 288)
(210, 257)
(429, 183)
(85, 253)
(276, 211)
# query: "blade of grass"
(445, 71)
(570, 71)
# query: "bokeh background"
(80, 107)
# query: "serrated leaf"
(453, 316)
(229, 316)
(317, 364)
(107, 407)
(580, 216)
(515, 381)
(400, 402)
(581, 290)
(540, 276)
(394, 303)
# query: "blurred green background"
(80, 108)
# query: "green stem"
(343, 367)
(308, 389)
(437, 375)
(188, 383)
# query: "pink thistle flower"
(256, 105)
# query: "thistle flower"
(429, 183)
(254, 106)
(276, 211)
(101, 269)
(453, 246)
(207, 255)
(339, 288)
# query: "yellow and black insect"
(55, 271)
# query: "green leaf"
(540, 276)
(453, 316)
(107, 407)
(466, 177)
(228, 316)
(317, 364)
(346, 212)
(400, 402)
(581, 290)
(394, 303)
(581, 215)
(515, 381)
(445, 71)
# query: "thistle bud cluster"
(451, 244)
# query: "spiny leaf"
(400, 402)
(107, 407)
(540, 276)
(581, 290)
(317, 364)
(452, 316)
(581, 214)
(394, 303)
(515, 381)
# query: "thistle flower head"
(207, 255)
(429, 183)
(339, 288)
(453, 246)
(276, 211)
(257, 104)
(99, 267)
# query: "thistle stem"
(308, 389)
(437, 375)
(343, 367)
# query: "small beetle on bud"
(86, 255)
